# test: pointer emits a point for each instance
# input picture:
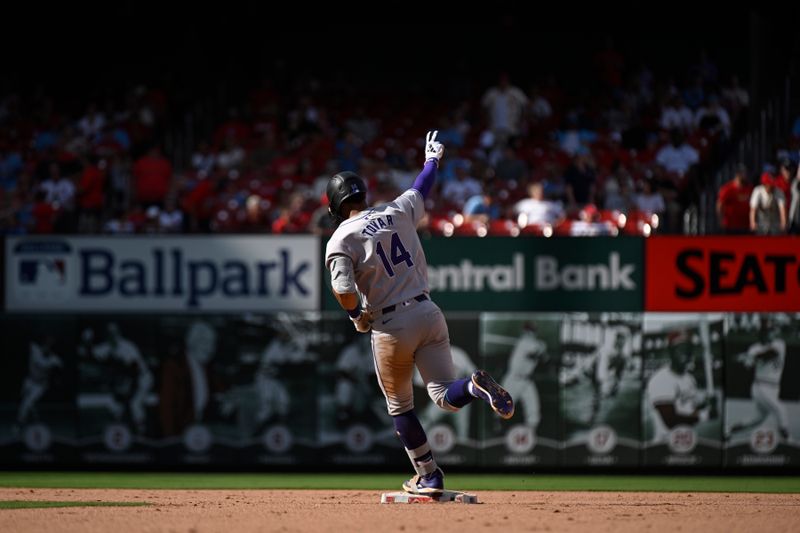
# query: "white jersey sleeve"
(662, 387)
(411, 202)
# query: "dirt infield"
(235, 511)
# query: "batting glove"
(434, 150)
(363, 321)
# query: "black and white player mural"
(354, 427)
(38, 419)
(117, 400)
(601, 382)
(762, 413)
(523, 348)
(265, 364)
(682, 397)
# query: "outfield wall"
(227, 351)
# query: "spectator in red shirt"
(152, 174)
(292, 218)
(44, 214)
(733, 203)
(91, 195)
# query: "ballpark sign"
(723, 274)
(536, 274)
(154, 274)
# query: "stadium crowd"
(629, 156)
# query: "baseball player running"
(379, 275)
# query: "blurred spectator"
(574, 138)
(266, 151)
(91, 195)
(794, 209)
(616, 191)
(204, 159)
(540, 110)
(292, 218)
(694, 95)
(678, 156)
(10, 167)
(767, 208)
(580, 179)
(322, 223)
(92, 123)
(713, 118)
(538, 211)
(510, 168)
(505, 105)
(733, 203)
(463, 187)
(784, 179)
(649, 200)
(231, 155)
(44, 214)
(481, 208)
(361, 125)
(233, 128)
(735, 97)
(170, 220)
(348, 152)
(676, 115)
(119, 224)
(152, 174)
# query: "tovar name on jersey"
(376, 223)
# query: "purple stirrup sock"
(458, 394)
(410, 430)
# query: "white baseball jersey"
(382, 242)
(525, 355)
(768, 370)
(665, 386)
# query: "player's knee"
(399, 407)
(437, 393)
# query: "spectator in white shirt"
(538, 211)
(678, 156)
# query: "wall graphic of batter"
(766, 357)
(672, 391)
(131, 379)
(528, 351)
(41, 363)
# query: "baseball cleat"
(429, 485)
(493, 394)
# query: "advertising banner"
(722, 274)
(162, 274)
(531, 274)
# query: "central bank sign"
(559, 274)
(157, 274)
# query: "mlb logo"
(42, 272)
